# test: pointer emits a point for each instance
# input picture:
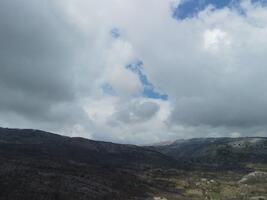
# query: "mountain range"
(40, 165)
(216, 152)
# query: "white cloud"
(216, 39)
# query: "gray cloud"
(56, 55)
(229, 111)
(37, 56)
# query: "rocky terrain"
(43, 166)
(217, 153)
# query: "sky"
(134, 71)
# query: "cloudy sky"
(134, 71)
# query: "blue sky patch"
(191, 8)
(115, 33)
(261, 2)
(149, 90)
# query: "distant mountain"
(41, 165)
(217, 152)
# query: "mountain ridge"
(217, 152)
(40, 165)
(45, 166)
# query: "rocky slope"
(217, 152)
(45, 166)
(41, 165)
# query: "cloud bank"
(134, 71)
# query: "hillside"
(40, 165)
(217, 152)
(37, 165)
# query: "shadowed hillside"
(43, 166)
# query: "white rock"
(252, 177)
